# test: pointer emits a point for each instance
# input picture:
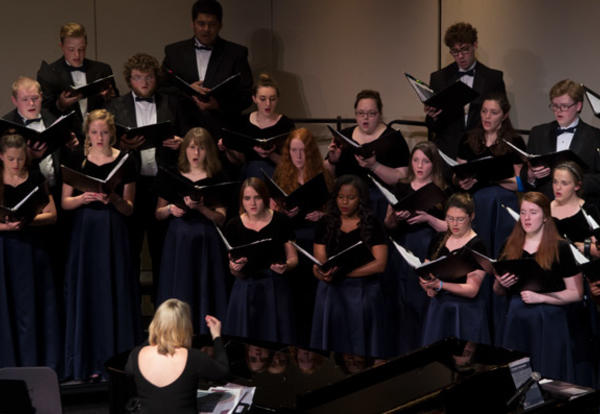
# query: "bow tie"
(466, 73)
(32, 121)
(560, 130)
(140, 99)
(74, 69)
(202, 47)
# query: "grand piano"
(450, 376)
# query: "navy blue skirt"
(29, 323)
(260, 307)
(349, 317)
(101, 291)
(193, 269)
(456, 316)
(542, 332)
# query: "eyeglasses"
(368, 114)
(561, 107)
(459, 220)
(464, 50)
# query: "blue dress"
(29, 322)
(542, 330)
(260, 304)
(102, 301)
(457, 316)
(583, 316)
(193, 267)
(349, 313)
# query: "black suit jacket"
(56, 78)
(448, 129)
(167, 109)
(585, 144)
(227, 58)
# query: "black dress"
(390, 149)
(542, 330)
(180, 395)
(102, 301)
(453, 315)
(29, 324)
(192, 266)
(583, 316)
(254, 162)
(260, 304)
(349, 312)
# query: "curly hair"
(460, 33)
(142, 62)
(334, 218)
(286, 173)
(476, 136)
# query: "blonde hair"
(98, 115)
(202, 138)
(171, 327)
(72, 30)
(26, 83)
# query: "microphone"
(522, 390)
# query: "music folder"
(92, 88)
(590, 268)
(187, 87)
(485, 169)
(594, 100)
(310, 196)
(87, 183)
(529, 273)
(28, 207)
(53, 136)
(154, 134)
(425, 198)
(260, 253)
(244, 143)
(551, 159)
(457, 95)
(448, 268)
(175, 187)
(364, 150)
(346, 260)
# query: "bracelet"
(439, 288)
(587, 246)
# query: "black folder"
(260, 253)
(346, 260)
(485, 169)
(594, 100)
(450, 268)
(53, 136)
(175, 187)
(457, 95)
(551, 159)
(28, 207)
(364, 150)
(187, 87)
(85, 183)
(530, 274)
(153, 134)
(244, 143)
(92, 88)
(310, 196)
(425, 198)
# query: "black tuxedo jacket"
(227, 58)
(167, 109)
(585, 144)
(448, 129)
(57, 78)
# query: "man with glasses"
(204, 61)
(568, 131)
(447, 127)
